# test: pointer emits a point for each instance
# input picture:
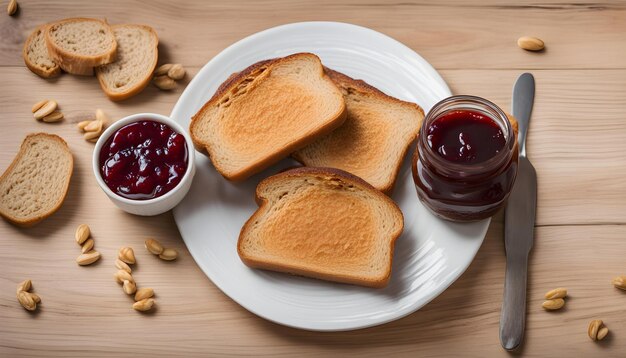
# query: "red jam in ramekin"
(143, 160)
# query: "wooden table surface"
(577, 143)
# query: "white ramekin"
(162, 203)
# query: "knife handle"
(513, 316)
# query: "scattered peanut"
(144, 293)
(556, 293)
(35, 297)
(121, 276)
(38, 105)
(144, 305)
(168, 255)
(82, 233)
(164, 83)
(530, 43)
(87, 246)
(121, 265)
(602, 332)
(127, 255)
(26, 300)
(597, 331)
(88, 258)
(53, 117)
(129, 287)
(94, 126)
(12, 7)
(24, 286)
(100, 116)
(92, 136)
(81, 125)
(46, 109)
(555, 304)
(154, 246)
(163, 69)
(620, 282)
(176, 72)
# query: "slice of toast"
(137, 56)
(80, 44)
(322, 223)
(36, 56)
(35, 184)
(373, 141)
(265, 112)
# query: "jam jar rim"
(501, 158)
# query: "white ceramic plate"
(430, 254)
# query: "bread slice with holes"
(373, 140)
(36, 56)
(35, 184)
(80, 44)
(266, 112)
(137, 56)
(322, 223)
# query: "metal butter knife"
(519, 223)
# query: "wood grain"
(474, 35)
(577, 143)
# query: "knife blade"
(519, 223)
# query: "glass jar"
(465, 191)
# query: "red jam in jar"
(143, 160)
(465, 162)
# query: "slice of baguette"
(36, 56)
(80, 44)
(265, 112)
(35, 184)
(322, 223)
(137, 56)
(373, 141)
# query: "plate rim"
(195, 82)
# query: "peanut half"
(555, 304)
(620, 282)
(556, 293)
(164, 83)
(24, 286)
(82, 233)
(53, 117)
(144, 305)
(26, 300)
(46, 109)
(12, 7)
(163, 69)
(121, 276)
(168, 255)
(597, 331)
(144, 293)
(38, 105)
(127, 255)
(87, 246)
(121, 265)
(176, 72)
(88, 258)
(529, 43)
(129, 287)
(154, 246)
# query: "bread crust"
(78, 64)
(141, 85)
(53, 72)
(18, 157)
(294, 269)
(231, 83)
(346, 82)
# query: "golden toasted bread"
(322, 223)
